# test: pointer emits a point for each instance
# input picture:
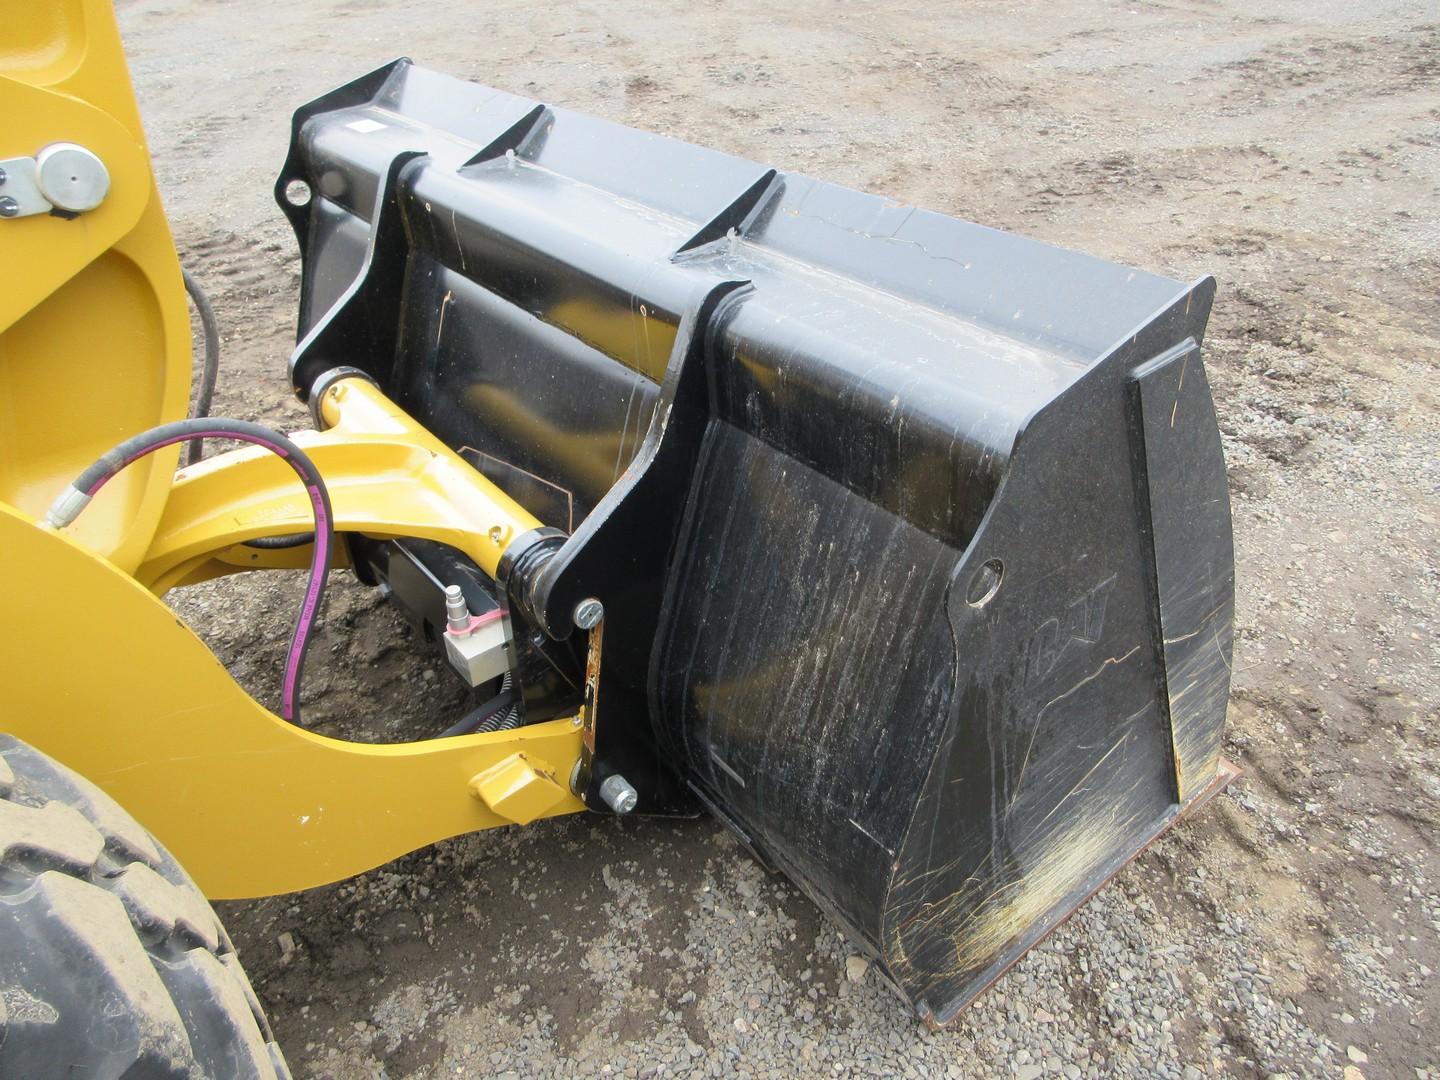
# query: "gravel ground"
(1292, 150)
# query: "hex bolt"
(588, 613)
(3, 177)
(618, 794)
(8, 206)
(457, 612)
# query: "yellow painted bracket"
(250, 804)
(94, 332)
(521, 788)
(386, 474)
(95, 669)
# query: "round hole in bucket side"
(297, 193)
(985, 583)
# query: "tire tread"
(112, 962)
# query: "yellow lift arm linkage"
(95, 669)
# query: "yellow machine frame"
(96, 670)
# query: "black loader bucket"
(912, 536)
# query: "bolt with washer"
(588, 613)
(618, 794)
(8, 206)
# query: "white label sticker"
(365, 126)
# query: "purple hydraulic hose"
(68, 506)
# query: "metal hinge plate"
(62, 177)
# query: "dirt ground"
(1290, 149)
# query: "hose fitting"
(66, 507)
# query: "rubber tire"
(112, 963)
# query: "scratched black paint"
(912, 535)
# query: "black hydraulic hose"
(210, 364)
(281, 543)
(500, 720)
(77, 496)
(500, 713)
(205, 397)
